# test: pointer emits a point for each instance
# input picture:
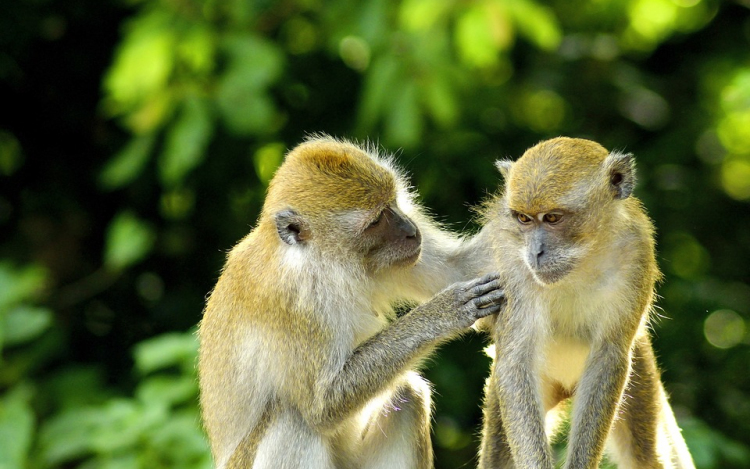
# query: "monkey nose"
(411, 230)
(539, 254)
(536, 257)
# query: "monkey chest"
(576, 322)
(563, 361)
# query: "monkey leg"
(289, 443)
(646, 434)
(494, 451)
(397, 430)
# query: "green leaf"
(168, 390)
(164, 351)
(241, 96)
(186, 141)
(267, 159)
(180, 441)
(379, 82)
(11, 154)
(127, 164)
(474, 37)
(128, 241)
(116, 425)
(143, 62)
(246, 111)
(115, 461)
(404, 124)
(24, 323)
(537, 23)
(19, 283)
(75, 386)
(439, 99)
(420, 15)
(16, 428)
(259, 61)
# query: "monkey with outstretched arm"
(575, 251)
(298, 365)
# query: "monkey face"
(391, 239)
(547, 249)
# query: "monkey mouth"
(549, 275)
(410, 259)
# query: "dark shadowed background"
(137, 138)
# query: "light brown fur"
(576, 256)
(299, 366)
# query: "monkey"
(301, 362)
(575, 253)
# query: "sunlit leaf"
(418, 15)
(16, 428)
(735, 177)
(537, 23)
(152, 114)
(197, 48)
(174, 349)
(128, 164)
(186, 141)
(481, 32)
(128, 241)
(24, 323)
(143, 62)
(267, 159)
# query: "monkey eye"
(523, 219)
(552, 218)
(377, 220)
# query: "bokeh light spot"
(724, 328)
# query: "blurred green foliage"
(137, 139)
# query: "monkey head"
(558, 196)
(333, 199)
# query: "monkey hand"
(463, 303)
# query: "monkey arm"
(375, 363)
(521, 408)
(597, 396)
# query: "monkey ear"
(621, 173)
(292, 227)
(504, 167)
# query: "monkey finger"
(489, 311)
(485, 288)
(494, 297)
(480, 286)
(484, 279)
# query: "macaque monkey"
(299, 366)
(575, 252)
